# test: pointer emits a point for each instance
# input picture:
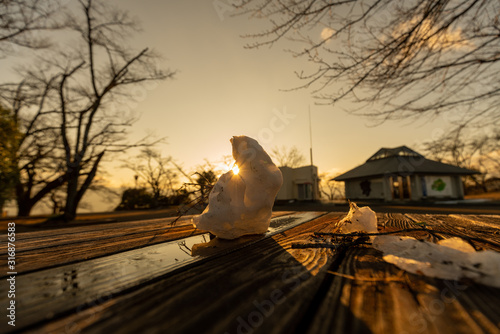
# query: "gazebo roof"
(401, 161)
(401, 151)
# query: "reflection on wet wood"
(49, 248)
(67, 287)
(262, 284)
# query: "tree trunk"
(71, 199)
(73, 194)
(24, 208)
(25, 202)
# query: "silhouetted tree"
(330, 188)
(55, 201)
(135, 198)
(68, 104)
(21, 20)
(287, 157)
(395, 59)
(153, 172)
(202, 180)
(205, 180)
(480, 152)
(38, 150)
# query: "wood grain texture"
(72, 286)
(366, 294)
(397, 221)
(267, 286)
(51, 248)
(465, 226)
(223, 285)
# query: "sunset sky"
(222, 89)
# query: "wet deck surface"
(152, 276)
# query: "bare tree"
(73, 94)
(54, 201)
(35, 152)
(153, 170)
(480, 152)
(330, 188)
(109, 69)
(20, 24)
(203, 178)
(395, 59)
(287, 157)
(20, 20)
(205, 181)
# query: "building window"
(395, 188)
(305, 191)
(401, 187)
(366, 187)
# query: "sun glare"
(326, 33)
(236, 170)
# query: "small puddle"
(147, 262)
(175, 253)
(172, 255)
(180, 250)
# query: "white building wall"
(459, 186)
(293, 177)
(387, 188)
(286, 190)
(416, 188)
(452, 186)
(381, 188)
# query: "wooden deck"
(154, 277)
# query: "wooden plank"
(396, 221)
(45, 249)
(367, 294)
(64, 235)
(49, 257)
(342, 308)
(68, 287)
(268, 287)
(379, 299)
(266, 276)
(482, 219)
(465, 226)
(55, 234)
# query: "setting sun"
(235, 169)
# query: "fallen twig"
(433, 232)
(369, 279)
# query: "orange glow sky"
(223, 90)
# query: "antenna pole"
(313, 185)
(310, 137)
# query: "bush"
(140, 198)
(136, 198)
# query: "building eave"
(402, 166)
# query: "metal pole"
(310, 137)
(313, 186)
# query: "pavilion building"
(403, 174)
